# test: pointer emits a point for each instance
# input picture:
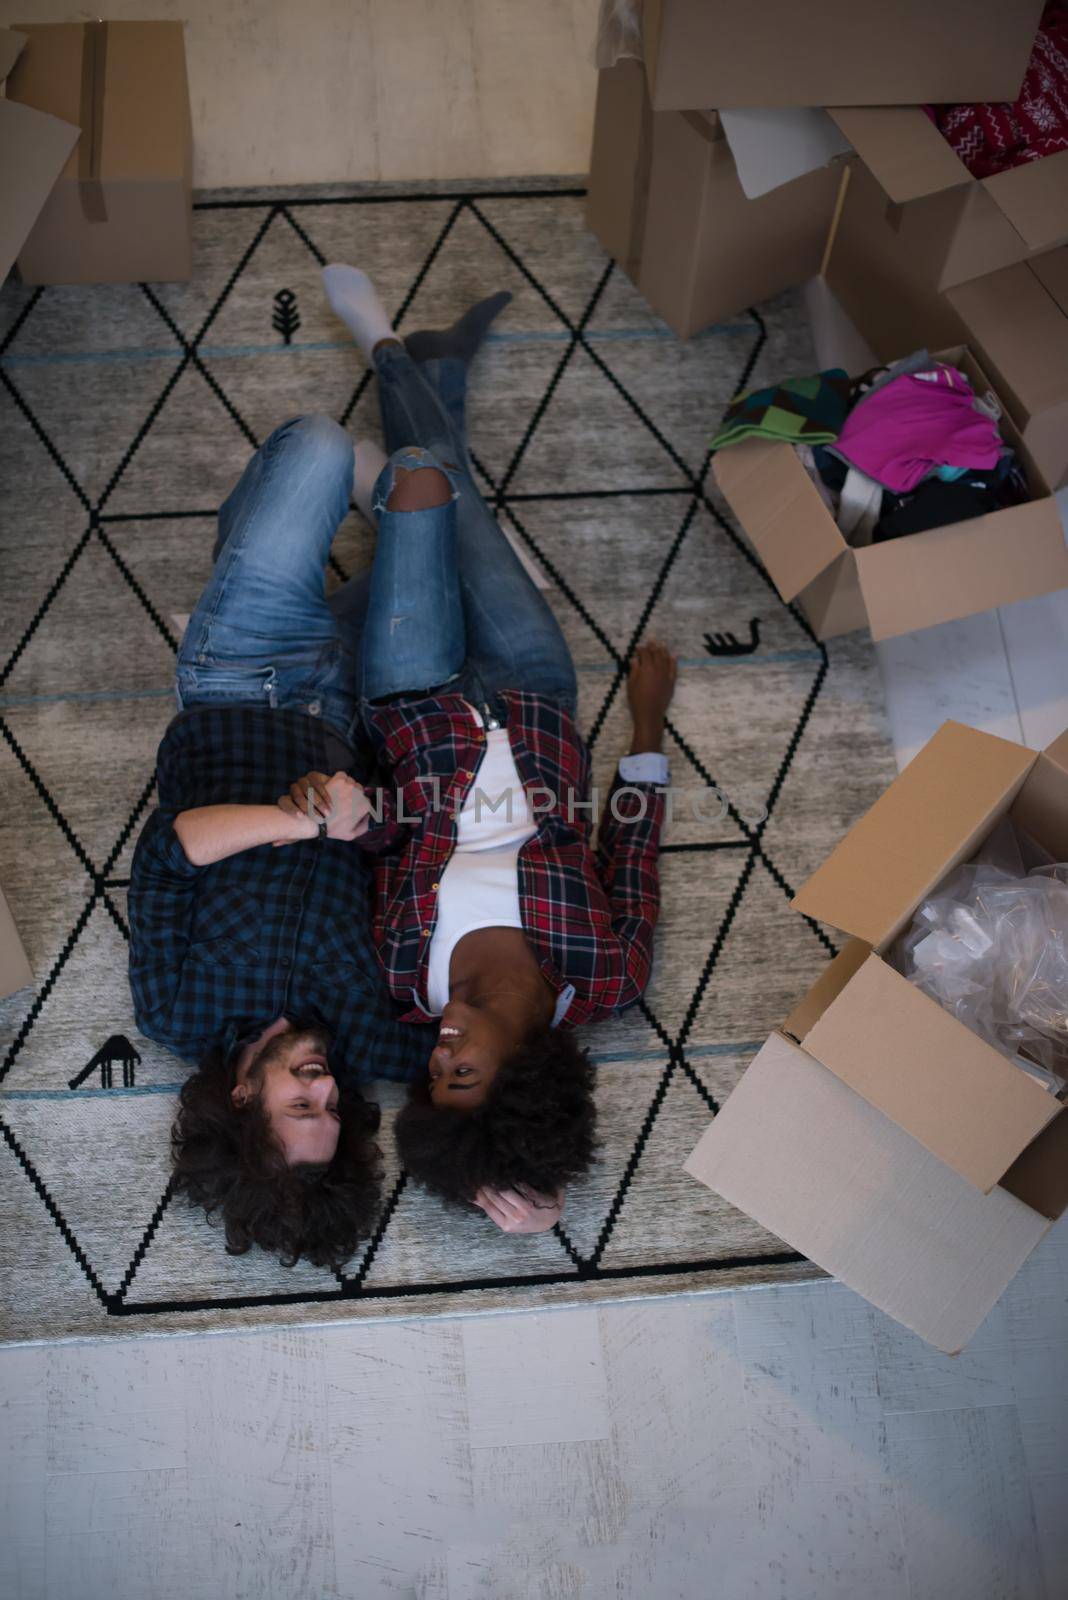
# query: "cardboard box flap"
(1057, 750)
(1039, 1177)
(955, 571)
(1041, 807)
(827, 987)
(1051, 270)
(1034, 197)
(902, 148)
(778, 505)
(944, 1085)
(11, 44)
(819, 1167)
(34, 149)
(933, 815)
(15, 970)
(1015, 319)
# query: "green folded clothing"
(801, 410)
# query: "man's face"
(471, 1046)
(291, 1077)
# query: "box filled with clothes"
(719, 53)
(666, 202)
(895, 501)
(907, 1135)
(1016, 321)
(120, 209)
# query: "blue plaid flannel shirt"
(218, 952)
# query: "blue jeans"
(262, 630)
(446, 601)
(448, 578)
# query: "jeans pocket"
(211, 685)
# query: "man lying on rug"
(493, 911)
(258, 962)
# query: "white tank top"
(480, 884)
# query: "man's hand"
(514, 1212)
(650, 686)
(339, 801)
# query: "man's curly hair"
(535, 1130)
(228, 1161)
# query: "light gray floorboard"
(788, 1443)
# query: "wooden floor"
(778, 1444)
(352, 90)
(773, 1444)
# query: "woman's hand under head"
(339, 801)
(516, 1212)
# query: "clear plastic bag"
(991, 946)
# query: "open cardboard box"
(117, 209)
(948, 225)
(665, 200)
(874, 1132)
(902, 584)
(839, 52)
(708, 251)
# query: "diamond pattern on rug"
(129, 413)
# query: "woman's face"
(471, 1046)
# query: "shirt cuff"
(648, 767)
(168, 849)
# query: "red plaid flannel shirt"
(589, 914)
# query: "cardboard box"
(1016, 321)
(15, 970)
(708, 251)
(901, 52)
(619, 162)
(874, 1132)
(120, 211)
(928, 211)
(902, 584)
(33, 150)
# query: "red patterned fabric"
(590, 916)
(997, 136)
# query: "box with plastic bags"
(876, 1131)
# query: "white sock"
(354, 298)
(370, 459)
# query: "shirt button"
(314, 708)
(435, 885)
(285, 962)
(426, 933)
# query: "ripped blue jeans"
(447, 600)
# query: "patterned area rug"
(128, 414)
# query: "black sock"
(463, 338)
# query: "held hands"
(339, 801)
(514, 1212)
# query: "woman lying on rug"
(494, 913)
